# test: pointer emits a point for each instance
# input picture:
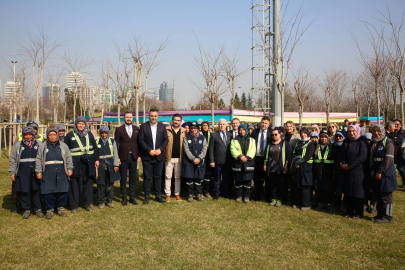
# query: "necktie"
(262, 144)
(235, 135)
(224, 137)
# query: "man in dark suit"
(220, 160)
(233, 134)
(262, 137)
(126, 137)
(153, 141)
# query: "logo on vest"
(63, 152)
(189, 141)
(36, 147)
(98, 145)
(73, 139)
(47, 150)
(200, 141)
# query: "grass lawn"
(210, 235)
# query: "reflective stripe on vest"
(54, 162)
(27, 160)
(237, 169)
(82, 151)
(111, 149)
(325, 156)
(304, 150)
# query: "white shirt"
(153, 128)
(264, 132)
(129, 130)
(234, 133)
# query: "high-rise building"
(166, 92)
(48, 89)
(152, 94)
(74, 79)
(9, 89)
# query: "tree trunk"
(37, 117)
(282, 107)
(300, 113)
(402, 106)
(55, 113)
(144, 108)
(212, 113)
(377, 94)
(327, 113)
(119, 113)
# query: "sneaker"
(246, 200)
(49, 215)
(384, 220)
(178, 198)
(101, 206)
(305, 208)
(319, 207)
(273, 202)
(239, 199)
(39, 213)
(88, 208)
(190, 198)
(167, 198)
(329, 208)
(278, 203)
(61, 213)
(207, 195)
(75, 211)
(26, 214)
(110, 204)
(200, 198)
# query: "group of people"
(281, 161)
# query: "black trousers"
(105, 190)
(81, 187)
(131, 165)
(355, 206)
(301, 196)
(193, 186)
(385, 201)
(207, 180)
(243, 188)
(276, 182)
(259, 177)
(30, 200)
(324, 196)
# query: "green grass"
(210, 235)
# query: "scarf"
(49, 130)
(288, 137)
(28, 130)
(357, 129)
(86, 128)
(195, 135)
(381, 127)
(106, 129)
(246, 132)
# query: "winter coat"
(192, 150)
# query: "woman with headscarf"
(331, 128)
(383, 173)
(353, 162)
(301, 186)
(323, 169)
(314, 136)
(243, 150)
(278, 156)
(108, 169)
(207, 177)
(53, 167)
(339, 173)
(22, 173)
(186, 125)
(193, 165)
(85, 155)
(60, 128)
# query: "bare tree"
(330, 83)
(231, 72)
(374, 63)
(304, 87)
(291, 33)
(38, 49)
(208, 65)
(75, 64)
(54, 78)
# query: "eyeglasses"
(332, 127)
(338, 136)
(274, 134)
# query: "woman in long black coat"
(356, 185)
(339, 175)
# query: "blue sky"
(90, 26)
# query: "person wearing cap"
(34, 125)
(340, 136)
(243, 151)
(207, 177)
(85, 155)
(314, 136)
(108, 169)
(323, 170)
(60, 128)
(356, 175)
(262, 138)
(193, 167)
(302, 180)
(250, 130)
(278, 156)
(22, 173)
(54, 166)
(383, 173)
(174, 156)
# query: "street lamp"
(14, 94)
